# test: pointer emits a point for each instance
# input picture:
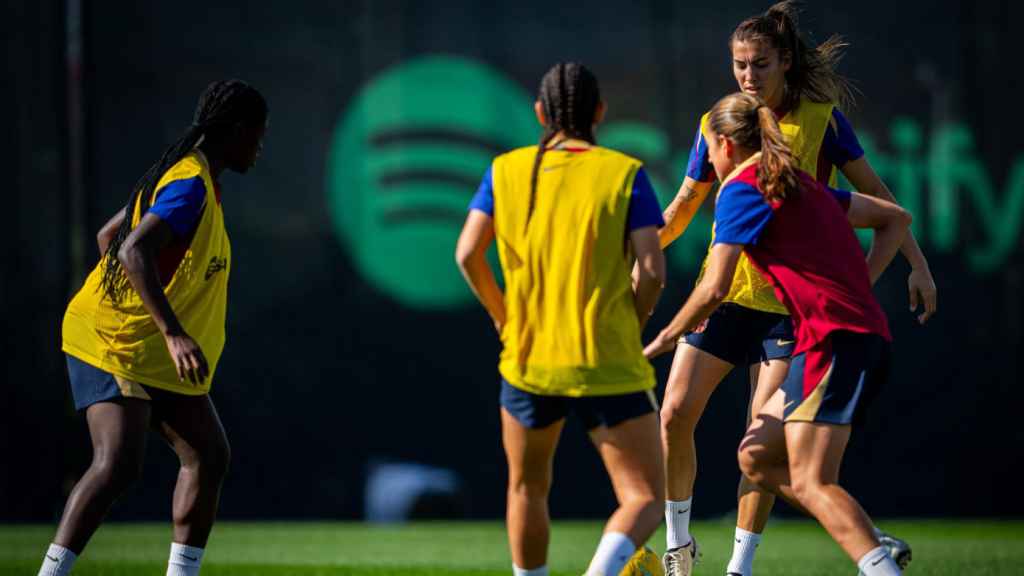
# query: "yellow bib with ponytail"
(571, 327)
(804, 130)
(122, 339)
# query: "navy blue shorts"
(742, 336)
(836, 380)
(90, 385)
(536, 411)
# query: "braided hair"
(569, 96)
(222, 105)
(812, 71)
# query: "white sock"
(878, 563)
(677, 523)
(743, 548)
(184, 560)
(613, 553)
(58, 561)
(517, 571)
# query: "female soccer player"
(564, 214)
(751, 329)
(144, 335)
(795, 231)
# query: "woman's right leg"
(118, 430)
(530, 453)
(694, 376)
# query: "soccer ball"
(643, 563)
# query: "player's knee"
(117, 473)
(216, 462)
(529, 488)
(221, 461)
(676, 421)
(208, 466)
(804, 489)
(750, 464)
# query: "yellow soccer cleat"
(643, 563)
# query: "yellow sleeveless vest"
(571, 327)
(803, 129)
(123, 340)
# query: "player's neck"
(741, 164)
(213, 160)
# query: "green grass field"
(479, 549)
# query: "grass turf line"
(797, 548)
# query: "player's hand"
(922, 292)
(659, 346)
(188, 358)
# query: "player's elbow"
(904, 218)
(129, 255)
(464, 256)
(718, 292)
(652, 267)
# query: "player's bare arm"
(108, 231)
(704, 299)
(681, 210)
(920, 282)
(471, 257)
(649, 272)
(138, 259)
(890, 223)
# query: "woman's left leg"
(193, 429)
(631, 452)
(815, 453)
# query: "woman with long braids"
(752, 329)
(565, 215)
(144, 335)
(797, 233)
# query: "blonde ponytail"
(749, 123)
(777, 170)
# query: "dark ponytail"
(749, 123)
(222, 105)
(812, 71)
(569, 96)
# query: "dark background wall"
(348, 342)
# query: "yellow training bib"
(571, 327)
(122, 339)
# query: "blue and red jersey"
(805, 247)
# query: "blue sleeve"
(741, 214)
(644, 209)
(699, 165)
(840, 144)
(483, 200)
(841, 196)
(179, 203)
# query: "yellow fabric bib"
(571, 327)
(123, 340)
(804, 130)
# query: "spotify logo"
(403, 163)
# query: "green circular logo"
(403, 163)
